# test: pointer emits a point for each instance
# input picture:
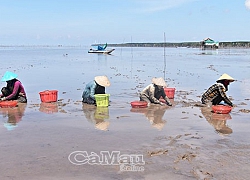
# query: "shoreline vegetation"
(235, 44)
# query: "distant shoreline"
(222, 45)
(236, 44)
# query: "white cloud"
(247, 4)
(160, 5)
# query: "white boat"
(101, 51)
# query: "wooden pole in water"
(164, 54)
(131, 56)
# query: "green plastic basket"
(102, 100)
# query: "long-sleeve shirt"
(214, 91)
(91, 89)
(154, 94)
(17, 90)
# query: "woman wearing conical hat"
(14, 89)
(217, 92)
(154, 91)
(97, 86)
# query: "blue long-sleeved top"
(89, 90)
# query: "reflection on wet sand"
(154, 113)
(97, 116)
(218, 121)
(14, 115)
(49, 108)
(209, 52)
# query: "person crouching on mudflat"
(97, 86)
(217, 92)
(153, 92)
(14, 89)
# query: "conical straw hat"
(159, 82)
(102, 81)
(9, 76)
(226, 77)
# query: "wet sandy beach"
(185, 141)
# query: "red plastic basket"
(139, 104)
(48, 96)
(7, 104)
(221, 109)
(169, 92)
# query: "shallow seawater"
(36, 139)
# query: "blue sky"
(83, 22)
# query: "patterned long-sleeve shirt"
(214, 91)
(154, 94)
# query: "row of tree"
(236, 44)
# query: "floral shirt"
(153, 94)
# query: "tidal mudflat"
(185, 141)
